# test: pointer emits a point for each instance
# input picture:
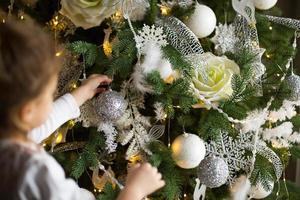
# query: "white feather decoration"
(240, 189)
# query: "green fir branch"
(263, 173)
(108, 193)
(162, 158)
(177, 60)
(89, 155)
(87, 50)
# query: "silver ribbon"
(288, 22)
(246, 9)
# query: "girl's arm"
(67, 107)
(64, 109)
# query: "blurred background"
(291, 8)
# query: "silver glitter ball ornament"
(293, 82)
(110, 105)
(213, 172)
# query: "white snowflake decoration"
(150, 35)
(225, 38)
(232, 151)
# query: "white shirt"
(28, 173)
(64, 109)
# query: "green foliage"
(287, 191)
(167, 94)
(182, 13)
(177, 60)
(162, 158)
(88, 157)
(295, 151)
(152, 12)
(123, 56)
(87, 50)
(211, 125)
(296, 121)
(108, 193)
(242, 88)
(263, 173)
(156, 82)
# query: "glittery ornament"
(225, 38)
(188, 150)
(213, 172)
(293, 82)
(110, 105)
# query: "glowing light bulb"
(59, 53)
(165, 10)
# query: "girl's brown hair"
(27, 63)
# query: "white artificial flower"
(217, 84)
(88, 13)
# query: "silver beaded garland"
(213, 172)
(110, 105)
(293, 82)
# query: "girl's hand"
(142, 180)
(89, 88)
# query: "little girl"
(28, 76)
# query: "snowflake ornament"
(225, 38)
(232, 151)
(150, 35)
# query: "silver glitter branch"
(180, 36)
(288, 22)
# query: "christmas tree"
(206, 92)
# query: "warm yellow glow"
(107, 48)
(276, 145)
(59, 138)
(3, 21)
(71, 124)
(22, 17)
(165, 10)
(271, 28)
(74, 86)
(117, 17)
(135, 159)
(268, 55)
(59, 53)
(170, 79)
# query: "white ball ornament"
(188, 150)
(259, 192)
(264, 4)
(203, 21)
